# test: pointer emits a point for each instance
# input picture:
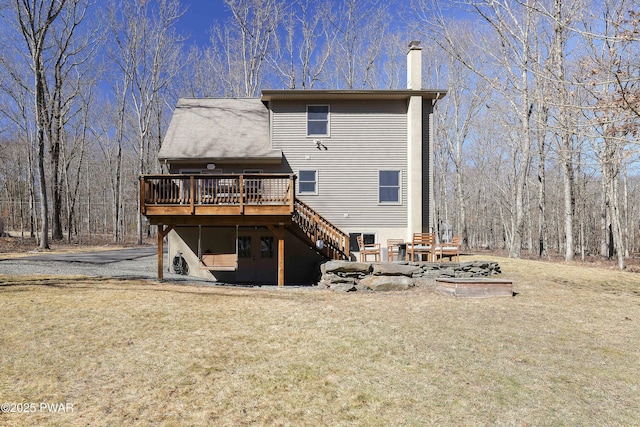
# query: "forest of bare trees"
(536, 140)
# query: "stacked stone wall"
(346, 276)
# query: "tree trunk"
(569, 209)
(44, 205)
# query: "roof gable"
(218, 128)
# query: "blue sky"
(200, 17)
(202, 14)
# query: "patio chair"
(393, 248)
(449, 250)
(422, 243)
(368, 249)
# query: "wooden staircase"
(312, 228)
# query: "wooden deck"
(266, 200)
(174, 196)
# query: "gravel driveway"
(134, 263)
(131, 263)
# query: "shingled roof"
(215, 129)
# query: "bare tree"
(615, 123)
(541, 113)
(456, 121)
(147, 53)
(72, 52)
(35, 19)
(55, 52)
(357, 29)
(565, 131)
(73, 156)
(507, 49)
(17, 111)
(301, 57)
(247, 42)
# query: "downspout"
(432, 192)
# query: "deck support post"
(279, 233)
(162, 232)
(281, 257)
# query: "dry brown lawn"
(564, 351)
(14, 247)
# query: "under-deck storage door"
(257, 257)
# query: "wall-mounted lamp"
(211, 166)
(319, 144)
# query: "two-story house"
(263, 190)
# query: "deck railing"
(335, 243)
(219, 189)
(256, 194)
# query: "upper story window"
(389, 185)
(317, 120)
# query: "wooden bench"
(219, 262)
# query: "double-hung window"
(389, 187)
(308, 182)
(317, 120)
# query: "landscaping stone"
(389, 269)
(342, 287)
(447, 272)
(387, 283)
(334, 278)
(346, 276)
(345, 267)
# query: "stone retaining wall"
(346, 276)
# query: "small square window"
(317, 120)
(308, 182)
(389, 186)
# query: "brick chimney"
(414, 66)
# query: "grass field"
(564, 351)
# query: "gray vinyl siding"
(366, 137)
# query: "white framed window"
(389, 187)
(318, 120)
(308, 182)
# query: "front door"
(257, 257)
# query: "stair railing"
(335, 243)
